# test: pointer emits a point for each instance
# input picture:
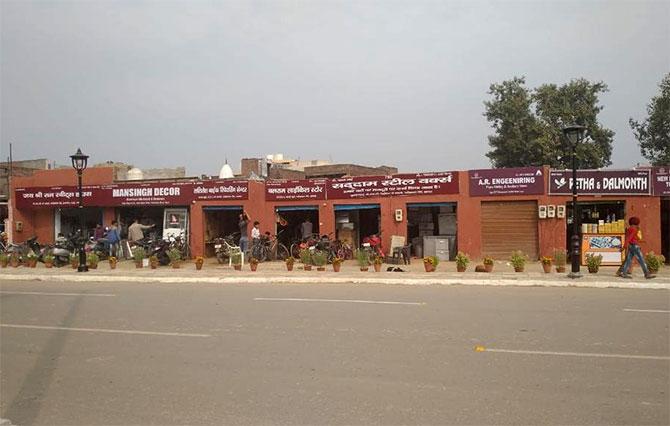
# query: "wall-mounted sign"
(439, 183)
(601, 182)
(133, 194)
(294, 190)
(662, 181)
(520, 181)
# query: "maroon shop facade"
(480, 212)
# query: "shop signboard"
(439, 183)
(609, 246)
(133, 194)
(662, 181)
(295, 190)
(519, 181)
(601, 182)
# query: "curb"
(340, 280)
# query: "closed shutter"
(509, 226)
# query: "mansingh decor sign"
(128, 194)
(392, 186)
(601, 182)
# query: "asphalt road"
(577, 356)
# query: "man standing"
(244, 235)
(136, 230)
(632, 245)
(114, 237)
(306, 229)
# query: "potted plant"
(462, 261)
(153, 262)
(559, 260)
(112, 262)
(377, 263)
(236, 260)
(306, 259)
(92, 260)
(289, 263)
(593, 262)
(199, 261)
(320, 258)
(488, 263)
(74, 260)
(175, 257)
(337, 264)
(31, 260)
(654, 262)
(430, 263)
(138, 255)
(363, 260)
(48, 260)
(546, 263)
(4, 260)
(253, 264)
(518, 260)
(14, 260)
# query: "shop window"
(67, 220)
(147, 216)
(428, 220)
(355, 222)
(597, 217)
(221, 221)
(290, 220)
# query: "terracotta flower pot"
(289, 267)
(428, 267)
(49, 264)
(378, 267)
(32, 263)
(4, 263)
(560, 269)
(14, 263)
(461, 268)
(253, 266)
(546, 267)
(336, 267)
(112, 265)
(176, 265)
(518, 269)
(593, 270)
(307, 267)
(320, 268)
(152, 265)
(198, 266)
(237, 267)
(93, 266)
(488, 267)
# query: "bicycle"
(269, 248)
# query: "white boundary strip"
(378, 302)
(579, 354)
(104, 330)
(35, 293)
(658, 311)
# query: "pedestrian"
(113, 238)
(244, 233)
(306, 228)
(632, 246)
(256, 232)
(136, 230)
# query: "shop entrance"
(432, 220)
(601, 217)
(290, 220)
(665, 228)
(66, 221)
(220, 222)
(147, 216)
(353, 222)
(507, 226)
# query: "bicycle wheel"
(281, 252)
(295, 250)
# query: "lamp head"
(574, 133)
(79, 161)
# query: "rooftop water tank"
(135, 174)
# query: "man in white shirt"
(255, 231)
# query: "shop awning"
(346, 207)
(295, 208)
(220, 208)
(414, 205)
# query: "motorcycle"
(374, 244)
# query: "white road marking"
(104, 330)
(658, 311)
(35, 293)
(582, 354)
(379, 302)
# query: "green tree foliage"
(528, 122)
(653, 134)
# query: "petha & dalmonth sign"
(133, 194)
(439, 183)
(295, 190)
(601, 182)
(518, 181)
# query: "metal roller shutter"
(509, 226)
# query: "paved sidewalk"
(276, 272)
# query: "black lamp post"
(79, 161)
(574, 134)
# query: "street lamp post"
(79, 161)
(574, 134)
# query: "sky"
(399, 83)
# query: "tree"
(527, 124)
(653, 134)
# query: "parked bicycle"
(269, 248)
